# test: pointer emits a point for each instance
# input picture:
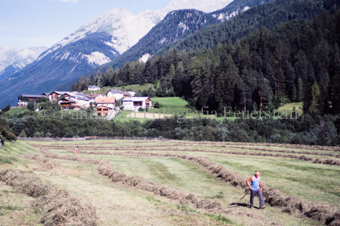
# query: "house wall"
(130, 105)
(107, 105)
(53, 97)
(94, 89)
(118, 96)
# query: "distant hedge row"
(317, 130)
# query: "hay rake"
(238, 204)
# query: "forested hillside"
(177, 25)
(267, 15)
(296, 61)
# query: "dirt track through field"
(324, 214)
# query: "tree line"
(307, 129)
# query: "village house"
(74, 100)
(132, 93)
(129, 94)
(93, 97)
(69, 103)
(134, 103)
(81, 99)
(23, 99)
(105, 105)
(116, 93)
(93, 88)
(126, 94)
(55, 95)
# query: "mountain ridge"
(13, 60)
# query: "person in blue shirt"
(255, 186)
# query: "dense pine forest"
(266, 13)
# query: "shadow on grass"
(238, 205)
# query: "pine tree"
(23, 134)
(98, 78)
(172, 71)
(300, 93)
(294, 93)
(92, 80)
(131, 74)
(335, 83)
(315, 94)
(195, 72)
(246, 84)
(290, 78)
(109, 75)
(226, 80)
(281, 83)
(115, 79)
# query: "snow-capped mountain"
(201, 5)
(13, 60)
(7, 55)
(98, 42)
(126, 29)
(177, 25)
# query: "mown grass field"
(291, 107)
(117, 203)
(175, 106)
(14, 111)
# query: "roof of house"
(106, 100)
(93, 95)
(103, 107)
(115, 91)
(133, 99)
(94, 87)
(60, 92)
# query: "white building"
(134, 103)
(116, 93)
(93, 88)
(132, 93)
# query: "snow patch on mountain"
(18, 59)
(7, 55)
(162, 40)
(206, 6)
(182, 26)
(97, 58)
(224, 17)
(145, 58)
(65, 56)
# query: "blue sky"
(31, 23)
